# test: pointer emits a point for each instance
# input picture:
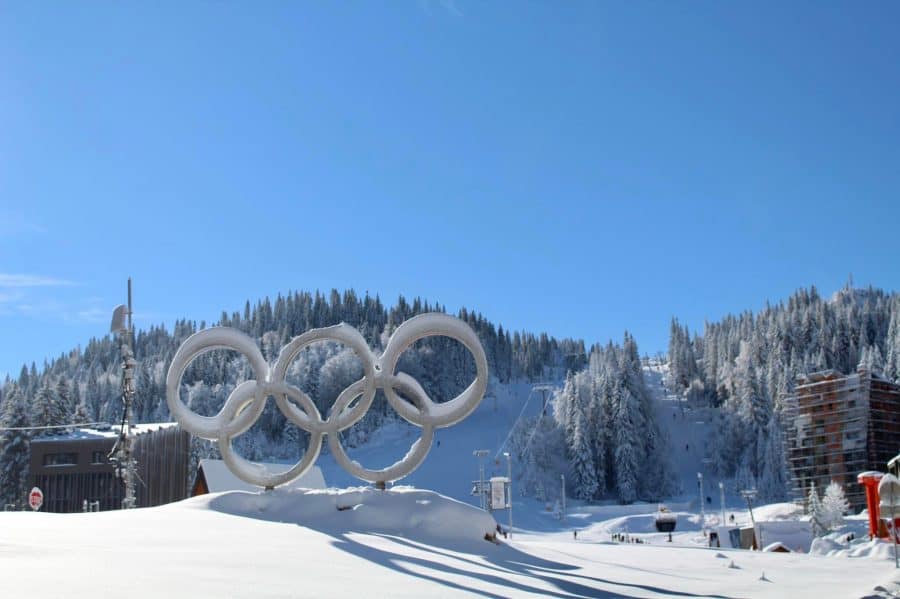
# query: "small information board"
(498, 492)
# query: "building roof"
(102, 432)
(219, 478)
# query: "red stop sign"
(36, 499)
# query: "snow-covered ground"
(408, 542)
(400, 543)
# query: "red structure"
(878, 527)
(869, 480)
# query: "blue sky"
(575, 168)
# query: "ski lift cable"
(514, 425)
(538, 387)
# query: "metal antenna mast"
(124, 450)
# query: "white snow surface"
(360, 542)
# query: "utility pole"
(509, 488)
(481, 454)
(722, 500)
(749, 495)
(702, 508)
(123, 453)
(562, 478)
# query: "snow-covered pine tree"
(584, 477)
(64, 399)
(833, 507)
(871, 358)
(682, 360)
(626, 453)
(15, 447)
(892, 343)
(598, 432)
(81, 414)
(773, 471)
(47, 410)
(814, 510)
(564, 406)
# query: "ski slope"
(451, 468)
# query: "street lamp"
(509, 488)
(702, 509)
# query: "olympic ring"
(246, 402)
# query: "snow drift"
(401, 511)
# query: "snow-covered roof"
(822, 375)
(219, 478)
(110, 432)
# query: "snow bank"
(829, 546)
(401, 511)
(777, 511)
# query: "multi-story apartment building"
(838, 426)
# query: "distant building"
(74, 467)
(838, 426)
(213, 476)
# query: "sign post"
(35, 499)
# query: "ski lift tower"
(123, 453)
(546, 390)
(749, 495)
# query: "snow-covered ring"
(247, 401)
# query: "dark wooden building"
(74, 467)
(838, 426)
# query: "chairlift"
(665, 520)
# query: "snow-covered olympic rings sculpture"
(248, 399)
